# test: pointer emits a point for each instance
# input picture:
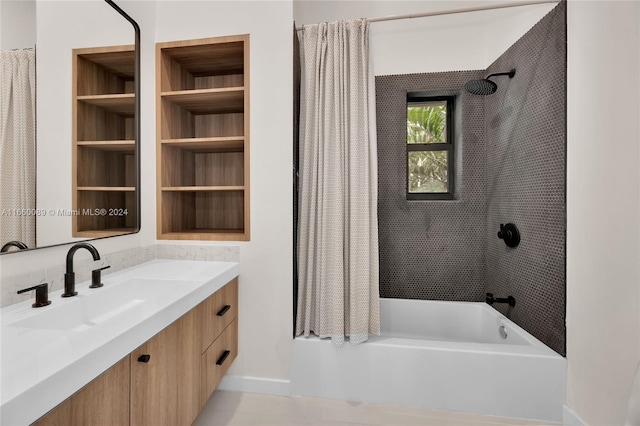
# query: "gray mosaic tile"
(431, 249)
(525, 122)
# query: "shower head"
(485, 86)
(481, 87)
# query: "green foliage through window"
(427, 124)
(428, 146)
(428, 171)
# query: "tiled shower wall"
(431, 249)
(526, 134)
(510, 158)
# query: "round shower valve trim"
(509, 234)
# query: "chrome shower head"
(485, 86)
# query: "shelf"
(123, 103)
(202, 141)
(99, 233)
(212, 144)
(124, 146)
(118, 60)
(206, 234)
(207, 169)
(107, 188)
(201, 188)
(103, 140)
(205, 58)
(208, 101)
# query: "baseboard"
(570, 418)
(255, 385)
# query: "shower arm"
(510, 74)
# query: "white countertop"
(43, 364)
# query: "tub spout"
(491, 300)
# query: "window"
(429, 147)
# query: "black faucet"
(19, 244)
(70, 276)
(491, 300)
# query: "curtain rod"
(462, 10)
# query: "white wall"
(265, 311)
(603, 208)
(462, 41)
(17, 24)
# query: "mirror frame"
(136, 28)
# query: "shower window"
(429, 147)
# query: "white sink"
(112, 302)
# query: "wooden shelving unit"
(203, 139)
(104, 170)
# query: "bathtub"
(438, 355)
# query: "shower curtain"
(17, 146)
(338, 292)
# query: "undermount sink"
(111, 303)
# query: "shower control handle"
(509, 234)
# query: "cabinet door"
(104, 401)
(217, 312)
(165, 386)
(217, 359)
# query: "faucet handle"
(95, 277)
(42, 294)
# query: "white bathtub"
(438, 355)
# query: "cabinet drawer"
(217, 312)
(217, 359)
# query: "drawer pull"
(224, 356)
(224, 310)
(144, 358)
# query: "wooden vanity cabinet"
(217, 359)
(165, 386)
(103, 401)
(219, 337)
(217, 312)
(168, 379)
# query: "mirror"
(69, 159)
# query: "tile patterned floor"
(247, 409)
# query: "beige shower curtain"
(338, 292)
(17, 146)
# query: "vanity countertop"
(49, 353)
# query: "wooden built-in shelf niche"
(203, 139)
(104, 166)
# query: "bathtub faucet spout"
(491, 300)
